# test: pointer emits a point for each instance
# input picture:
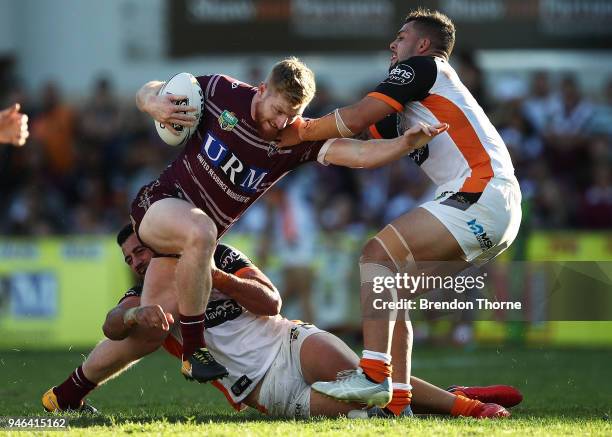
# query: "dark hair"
(124, 234)
(438, 27)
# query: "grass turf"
(567, 392)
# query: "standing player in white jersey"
(476, 212)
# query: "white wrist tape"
(344, 131)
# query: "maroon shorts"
(147, 196)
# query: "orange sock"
(400, 400)
(464, 406)
(376, 370)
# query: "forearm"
(366, 154)
(148, 90)
(118, 324)
(356, 118)
(257, 297)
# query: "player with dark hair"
(474, 216)
(226, 166)
(271, 360)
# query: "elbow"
(110, 333)
(274, 307)
(277, 306)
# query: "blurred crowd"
(86, 159)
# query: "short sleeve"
(229, 259)
(409, 80)
(135, 291)
(386, 128)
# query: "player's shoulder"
(229, 259)
(415, 67)
(216, 84)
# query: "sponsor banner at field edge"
(55, 292)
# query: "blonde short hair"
(294, 80)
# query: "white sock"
(373, 355)
(401, 386)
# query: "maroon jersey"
(225, 166)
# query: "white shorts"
(283, 392)
(483, 229)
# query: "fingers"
(155, 317)
(170, 318)
(161, 321)
(15, 126)
(179, 98)
(429, 130)
(170, 128)
(183, 119)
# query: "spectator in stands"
(541, 104)
(596, 206)
(54, 127)
(569, 119)
(601, 122)
(100, 124)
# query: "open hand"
(152, 316)
(421, 133)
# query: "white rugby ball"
(183, 84)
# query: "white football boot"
(354, 386)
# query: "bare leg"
(174, 226)
(338, 356)
(401, 350)
(109, 358)
(429, 399)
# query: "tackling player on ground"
(271, 360)
(476, 212)
(225, 167)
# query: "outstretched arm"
(376, 153)
(163, 108)
(121, 320)
(409, 80)
(350, 119)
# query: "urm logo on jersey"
(219, 155)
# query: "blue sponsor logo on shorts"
(478, 230)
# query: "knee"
(202, 233)
(373, 252)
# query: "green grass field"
(567, 392)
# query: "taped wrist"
(129, 317)
(344, 131)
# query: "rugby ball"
(184, 84)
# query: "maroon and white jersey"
(226, 166)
